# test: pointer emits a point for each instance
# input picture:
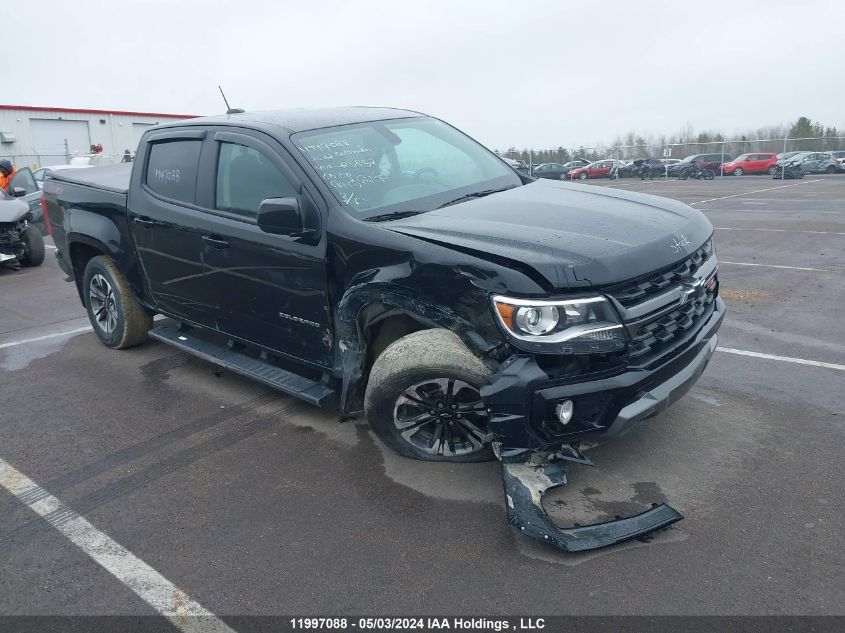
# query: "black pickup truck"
(380, 262)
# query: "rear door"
(267, 289)
(163, 220)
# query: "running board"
(290, 383)
(525, 485)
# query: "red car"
(761, 163)
(599, 169)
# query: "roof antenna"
(229, 110)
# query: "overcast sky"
(524, 73)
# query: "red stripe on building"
(159, 115)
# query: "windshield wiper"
(393, 215)
(474, 194)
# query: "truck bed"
(113, 178)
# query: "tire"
(683, 174)
(424, 372)
(583, 175)
(119, 320)
(738, 171)
(709, 174)
(772, 170)
(830, 170)
(34, 247)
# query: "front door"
(268, 289)
(163, 220)
(23, 179)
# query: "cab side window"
(172, 169)
(24, 179)
(245, 177)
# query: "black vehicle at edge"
(465, 309)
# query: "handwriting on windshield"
(348, 167)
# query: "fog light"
(564, 411)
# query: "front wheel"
(116, 315)
(773, 170)
(830, 170)
(738, 171)
(423, 399)
(34, 244)
(583, 175)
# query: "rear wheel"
(830, 170)
(34, 244)
(423, 399)
(118, 318)
(772, 170)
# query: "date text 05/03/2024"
(418, 624)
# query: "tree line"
(802, 134)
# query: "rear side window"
(172, 169)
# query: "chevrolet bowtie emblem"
(691, 289)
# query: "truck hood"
(12, 209)
(570, 235)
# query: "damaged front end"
(539, 419)
(527, 482)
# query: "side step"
(309, 390)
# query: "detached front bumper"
(522, 398)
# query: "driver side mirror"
(281, 216)
(18, 192)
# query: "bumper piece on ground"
(526, 483)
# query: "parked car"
(786, 155)
(752, 163)
(21, 243)
(573, 164)
(26, 188)
(838, 155)
(334, 255)
(41, 173)
(688, 163)
(670, 161)
(818, 163)
(598, 169)
(552, 171)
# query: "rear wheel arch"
(82, 251)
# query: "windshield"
(413, 164)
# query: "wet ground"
(254, 503)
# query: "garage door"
(49, 135)
(138, 130)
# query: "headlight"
(572, 326)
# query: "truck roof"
(301, 119)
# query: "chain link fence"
(730, 148)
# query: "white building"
(32, 136)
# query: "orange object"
(4, 180)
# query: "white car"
(40, 174)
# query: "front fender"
(365, 305)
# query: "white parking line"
(735, 228)
(816, 270)
(78, 330)
(50, 246)
(153, 588)
(748, 193)
(785, 359)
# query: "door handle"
(145, 222)
(215, 242)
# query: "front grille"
(666, 337)
(639, 290)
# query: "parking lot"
(253, 503)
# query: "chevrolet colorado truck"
(380, 262)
